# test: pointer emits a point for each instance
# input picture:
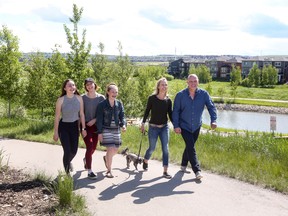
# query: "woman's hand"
(55, 137)
(84, 133)
(142, 128)
(100, 137)
(177, 130)
(123, 129)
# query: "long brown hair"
(64, 85)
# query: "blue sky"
(153, 27)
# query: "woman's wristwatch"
(83, 129)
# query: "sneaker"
(92, 175)
(166, 175)
(84, 161)
(198, 175)
(184, 169)
(145, 165)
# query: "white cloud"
(149, 27)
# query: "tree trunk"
(9, 108)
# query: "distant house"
(247, 64)
(220, 67)
(178, 67)
(279, 62)
(226, 68)
(217, 64)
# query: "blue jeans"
(189, 153)
(163, 134)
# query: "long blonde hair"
(156, 91)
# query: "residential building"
(220, 67)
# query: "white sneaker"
(198, 175)
(183, 169)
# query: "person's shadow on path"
(125, 186)
(84, 182)
(145, 194)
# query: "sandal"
(104, 158)
(109, 175)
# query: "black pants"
(69, 137)
(189, 153)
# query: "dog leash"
(143, 134)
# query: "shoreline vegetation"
(252, 108)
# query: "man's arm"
(176, 111)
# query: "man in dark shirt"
(188, 108)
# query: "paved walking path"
(147, 193)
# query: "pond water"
(251, 121)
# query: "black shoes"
(166, 175)
(92, 175)
(145, 165)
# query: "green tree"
(145, 87)
(192, 70)
(264, 76)
(57, 73)
(254, 75)
(209, 88)
(157, 71)
(37, 88)
(123, 71)
(100, 67)
(246, 82)
(235, 76)
(203, 74)
(272, 75)
(10, 67)
(221, 91)
(233, 91)
(78, 57)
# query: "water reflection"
(251, 121)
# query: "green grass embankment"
(257, 158)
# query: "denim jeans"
(189, 153)
(163, 134)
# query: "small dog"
(130, 157)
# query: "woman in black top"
(160, 106)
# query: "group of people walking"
(96, 117)
(101, 118)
